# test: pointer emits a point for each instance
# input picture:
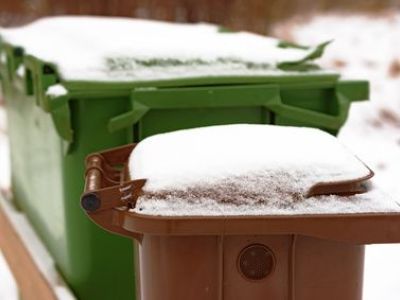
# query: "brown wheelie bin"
(288, 257)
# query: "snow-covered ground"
(366, 47)
(8, 286)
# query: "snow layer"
(381, 272)
(119, 49)
(3, 58)
(4, 153)
(5, 164)
(190, 157)
(247, 170)
(21, 71)
(247, 204)
(8, 286)
(56, 90)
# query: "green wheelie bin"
(57, 117)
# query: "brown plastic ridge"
(116, 217)
(343, 187)
(353, 228)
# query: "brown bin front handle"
(107, 195)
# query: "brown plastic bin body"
(207, 268)
(287, 257)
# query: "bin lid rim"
(362, 228)
(303, 78)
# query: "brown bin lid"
(109, 195)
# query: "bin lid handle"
(107, 192)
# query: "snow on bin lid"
(121, 49)
(247, 170)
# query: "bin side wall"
(101, 263)
(328, 270)
(160, 121)
(274, 286)
(35, 163)
(308, 97)
(174, 268)
(206, 268)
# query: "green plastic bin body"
(50, 139)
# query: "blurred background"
(365, 36)
(253, 15)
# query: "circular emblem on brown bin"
(256, 262)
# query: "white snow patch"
(21, 71)
(5, 166)
(382, 280)
(248, 170)
(3, 58)
(8, 286)
(56, 90)
(190, 157)
(3, 119)
(122, 49)
(37, 250)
